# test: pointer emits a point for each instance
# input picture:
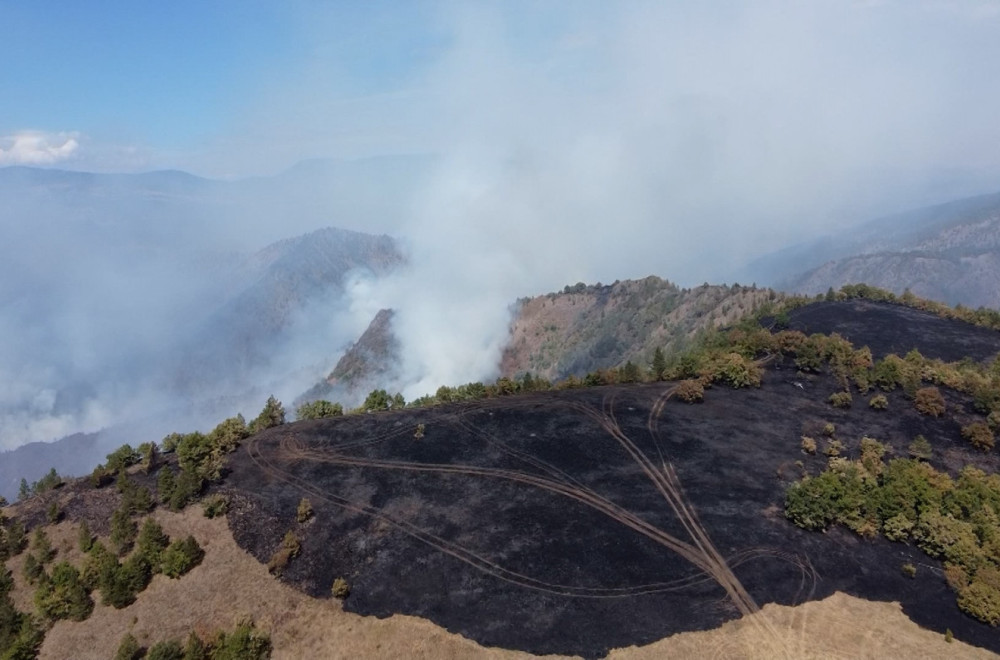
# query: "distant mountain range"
(948, 252)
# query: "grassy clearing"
(229, 584)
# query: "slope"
(586, 328)
(948, 252)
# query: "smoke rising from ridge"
(677, 141)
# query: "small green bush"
(340, 588)
(319, 410)
(63, 595)
(829, 429)
(920, 448)
(123, 531)
(979, 435)
(128, 649)
(909, 570)
(981, 598)
(180, 557)
(305, 510)
(288, 550)
(152, 542)
(878, 402)
(168, 650)
(841, 399)
(214, 506)
(165, 483)
(85, 538)
(833, 447)
(42, 547)
(929, 401)
(690, 391)
(246, 642)
(808, 445)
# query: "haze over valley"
(479, 221)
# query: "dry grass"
(840, 626)
(229, 584)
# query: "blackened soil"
(734, 455)
(889, 328)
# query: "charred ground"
(454, 526)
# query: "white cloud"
(38, 148)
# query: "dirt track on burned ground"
(579, 521)
(733, 457)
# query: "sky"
(568, 141)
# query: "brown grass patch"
(230, 584)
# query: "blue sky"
(169, 79)
(828, 91)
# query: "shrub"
(214, 506)
(53, 514)
(979, 435)
(122, 458)
(42, 547)
(168, 650)
(64, 596)
(123, 531)
(85, 537)
(909, 570)
(981, 598)
(920, 448)
(288, 550)
(186, 489)
(180, 557)
(829, 429)
(808, 445)
(244, 643)
(872, 452)
(928, 401)
(165, 484)
(170, 442)
(273, 414)
(198, 454)
(878, 402)
(897, 528)
(128, 649)
(738, 371)
(16, 539)
(340, 588)
(841, 399)
(305, 510)
(32, 569)
(833, 447)
(152, 542)
(229, 433)
(98, 566)
(150, 454)
(195, 648)
(50, 481)
(419, 433)
(136, 499)
(135, 574)
(319, 410)
(993, 419)
(690, 391)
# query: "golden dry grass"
(230, 584)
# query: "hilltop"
(577, 520)
(569, 333)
